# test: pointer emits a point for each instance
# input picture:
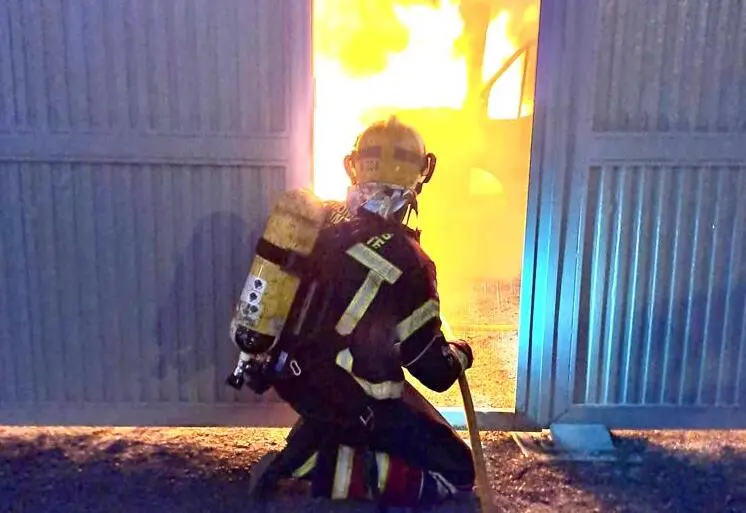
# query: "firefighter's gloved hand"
(258, 378)
(463, 352)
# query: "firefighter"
(368, 308)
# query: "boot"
(263, 477)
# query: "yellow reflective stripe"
(345, 359)
(342, 472)
(359, 304)
(382, 390)
(380, 270)
(429, 310)
(375, 262)
(307, 466)
(382, 462)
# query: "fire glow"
(378, 56)
(458, 71)
(461, 72)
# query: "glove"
(258, 377)
(463, 352)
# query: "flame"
(373, 57)
(504, 99)
(430, 62)
(425, 74)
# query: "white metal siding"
(664, 287)
(172, 67)
(141, 144)
(635, 296)
(667, 66)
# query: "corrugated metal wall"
(664, 287)
(636, 243)
(192, 67)
(141, 144)
(670, 66)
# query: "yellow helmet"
(390, 152)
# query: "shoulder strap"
(289, 260)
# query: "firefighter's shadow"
(193, 353)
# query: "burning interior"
(462, 72)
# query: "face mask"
(381, 199)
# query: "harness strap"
(289, 260)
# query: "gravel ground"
(206, 470)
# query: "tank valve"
(236, 379)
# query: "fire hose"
(480, 466)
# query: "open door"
(462, 72)
(636, 255)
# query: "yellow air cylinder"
(269, 291)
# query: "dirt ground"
(492, 379)
(206, 470)
(488, 320)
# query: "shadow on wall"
(193, 353)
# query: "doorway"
(462, 72)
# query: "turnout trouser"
(407, 456)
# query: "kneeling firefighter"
(365, 305)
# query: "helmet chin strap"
(412, 207)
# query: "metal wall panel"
(141, 145)
(659, 61)
(634, 289)
(664, 287)
(120, 279)
(154, 66)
